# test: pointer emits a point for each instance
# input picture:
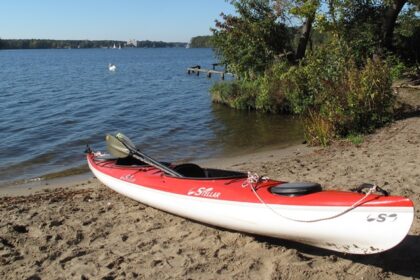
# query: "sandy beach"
(83, 230)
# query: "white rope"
(254, 179)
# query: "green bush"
(370, 98)
(265, 93)
(397, 67)
(236, 94)
(318, 129)
(356, 139)
(271, 96)
(336, 97)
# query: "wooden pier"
(209, 72)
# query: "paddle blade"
(116, 147)
(127, 142)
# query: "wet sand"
(84, 230)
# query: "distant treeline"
(74, 44)
(160, 44)
(201, 42)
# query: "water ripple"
(54, 102)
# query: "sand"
(83, 230)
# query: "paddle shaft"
(140, 156)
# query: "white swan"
(112, 67)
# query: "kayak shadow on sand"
(404, 259)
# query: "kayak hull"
(372, 227)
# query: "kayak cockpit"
(192, 170)
(187, 170)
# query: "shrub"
(397, 67)
(271, 96)
(356, 139)
(236, 94)
(264, 93)
(370, 98)
(317, 129)
(336, 97)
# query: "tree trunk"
(304, 36)
(388, 25)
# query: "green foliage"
(264, 93)
(303, 8)
(271, 96)
(397, 67)
(201, 42)
(356, 139)
(310, 83)
(236, 94)
(360, 27)
(407, 36)
(317, 129)
(248, 43)
(342, 86)
(159, 44)
(337, 97)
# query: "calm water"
(54, 102)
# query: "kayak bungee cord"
(253, 180)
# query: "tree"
(201, 42)
(306, 10)
(367, 25)
(249, 42)
(389, 18)
(407, 35)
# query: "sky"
(155, 20)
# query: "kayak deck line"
(253, 180)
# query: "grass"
(356, 139)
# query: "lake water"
(54, 102)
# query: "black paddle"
(121, 146)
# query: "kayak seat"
(190, 170)
(295, 189)
(131, 161)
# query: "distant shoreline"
(9, 44)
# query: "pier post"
(208, 72)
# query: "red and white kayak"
(347, 222)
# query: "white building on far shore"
(132, 42)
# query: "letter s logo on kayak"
(380, 218)
(128, 178)
(204, 192)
